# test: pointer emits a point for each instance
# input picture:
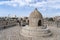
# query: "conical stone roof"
(35, 14)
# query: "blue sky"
(47, 8)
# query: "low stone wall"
(52, 24)
(4, 24)
(35, 32)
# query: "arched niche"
(39, 23)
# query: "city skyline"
(48, 8)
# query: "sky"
(48, 8)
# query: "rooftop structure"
(36, 26)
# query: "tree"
(50, 19)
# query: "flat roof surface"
(13, 33)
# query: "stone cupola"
(35, 28)
(35, 19)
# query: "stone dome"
(35, 28)
(37, 17)
(35, 14)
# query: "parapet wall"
(7, 23)
(52, 24)
(35, 32)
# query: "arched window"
(39, 23)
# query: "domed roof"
(35, 14)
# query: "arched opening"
(28, 22)
(39, 23)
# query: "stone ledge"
(34, 32)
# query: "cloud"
(53, 4)
(5, 0)
(38, 4)
(33, 3)
(30, 3)
(10, 3)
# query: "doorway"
(39, 23)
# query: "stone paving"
(13, 33)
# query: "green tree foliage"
(50, 19)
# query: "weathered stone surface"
(13, 33)
(35, 32)
(34, 18)
(35, 27)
